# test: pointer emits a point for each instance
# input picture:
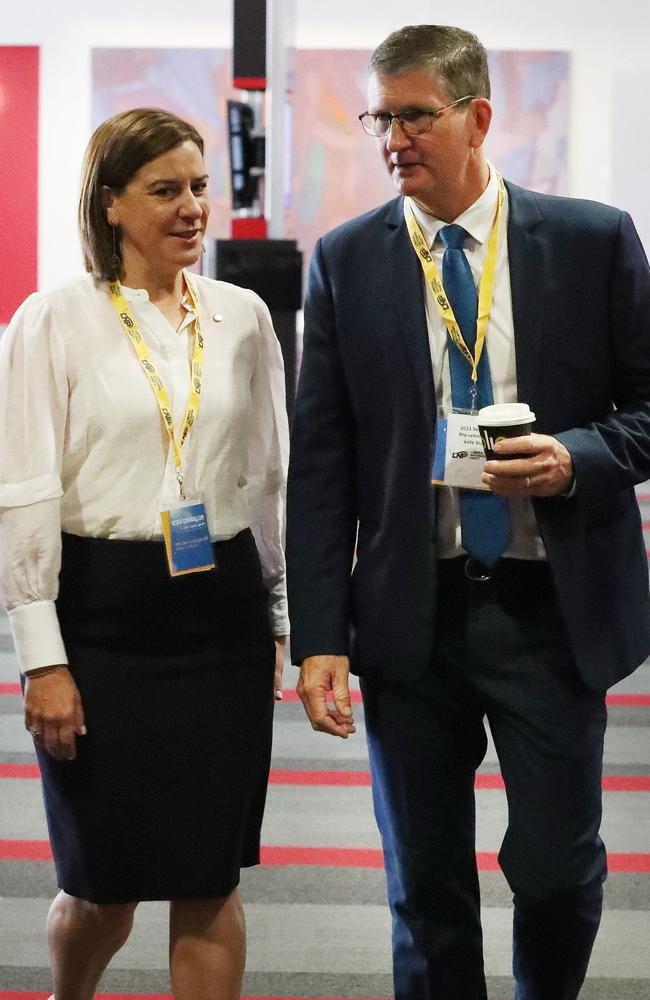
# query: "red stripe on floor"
(626, 783)
(361, 779)
(289, 694)
(25, 850)
(628, 700)
(356, 779)
(488, 781)
(355, 857)
(350, 778)
(628, 862)
(22, 995)
(19, 771)
(337, 857)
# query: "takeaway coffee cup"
(503, 420)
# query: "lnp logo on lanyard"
(185, 526)
(486, 286)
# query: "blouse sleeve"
(33, 409)
(267, 460)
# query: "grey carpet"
(324, 932)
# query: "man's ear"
(481, 116)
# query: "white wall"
(630, 151)
(605, 42)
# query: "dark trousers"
(500, 652)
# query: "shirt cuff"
(37, 635)
(278, 615)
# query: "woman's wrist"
(44, 671)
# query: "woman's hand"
(280, 646)
(53, 711)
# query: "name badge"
(458, 456)
(187, 539)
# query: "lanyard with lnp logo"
(158, 386)
(486, 286)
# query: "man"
(521, 604)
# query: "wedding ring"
(527, 482)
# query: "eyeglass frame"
(433, 114)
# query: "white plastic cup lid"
(505, 414)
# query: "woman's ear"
(108, 200)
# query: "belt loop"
(476, 572)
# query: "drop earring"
(115, 258)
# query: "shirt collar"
(135, 294)
(477, 219)
(139, 295)
(142, 295)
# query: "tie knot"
(453, 237)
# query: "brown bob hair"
(116, 151)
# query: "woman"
(142, 471)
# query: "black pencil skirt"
(166, 795)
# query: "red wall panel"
(18, 175)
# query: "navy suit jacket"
(364, 424)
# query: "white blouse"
(83, 449)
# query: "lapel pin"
(217, 317)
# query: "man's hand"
(544, 469)
(53, 711)
(318, 675)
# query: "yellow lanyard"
(486, 286)
(155, 381)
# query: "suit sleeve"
(613, 453)
(322, 507)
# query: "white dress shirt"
(83, 449)
(525, 542)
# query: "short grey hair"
(457, 57)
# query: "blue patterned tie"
(484, 518)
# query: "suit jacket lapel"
(528, 263)
(410, 325)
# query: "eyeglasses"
(413, 122)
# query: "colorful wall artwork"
(192, 83)
(19, 66)
(335, 168)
